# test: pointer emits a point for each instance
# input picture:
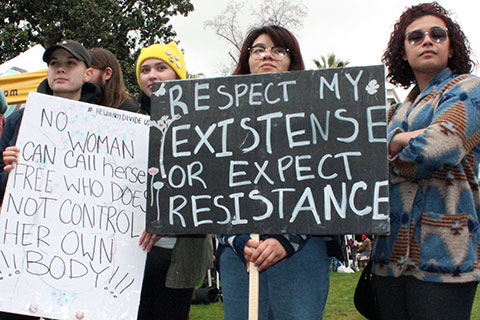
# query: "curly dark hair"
(399, 71)
(281, 37)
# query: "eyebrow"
(69, 57)
(420, 29)
(154, 65)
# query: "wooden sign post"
(253, 286)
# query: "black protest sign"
(296, 152)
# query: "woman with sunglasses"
(428, 268)
(294, 269)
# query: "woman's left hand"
(267, 253)
(147, 240)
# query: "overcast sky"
(354, 30)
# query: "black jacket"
(129, 105)
(91, 93)
(145, 103)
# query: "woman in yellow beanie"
(175, 264)
(158, 62)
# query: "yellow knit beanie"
(166, 52)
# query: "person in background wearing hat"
(364, 250)
(68, 69)
(3, 109)
(175, 264)
(107, 73)
(3, 102)
(158, 62)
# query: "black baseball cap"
(72, 46)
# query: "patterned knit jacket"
(434, 195)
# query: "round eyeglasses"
(437, 34)
(258, 52)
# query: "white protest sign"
(73, 211)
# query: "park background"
(354, 31)
(357, 31)
(339, 304)
(208, 31)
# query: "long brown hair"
(281, 37)
(114, 91)
(399, 71)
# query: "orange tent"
(17, 86)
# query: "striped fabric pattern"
(434, 190)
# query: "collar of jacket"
(91, 92)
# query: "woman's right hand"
(401, 140)
(10, 157)
(263, 254)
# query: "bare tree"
(288, 14)
(228, 27)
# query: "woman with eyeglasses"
(294, 269)
(428, 268)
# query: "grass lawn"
(339, 305)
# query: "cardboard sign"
(73, 211)
(296, 152)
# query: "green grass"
(340, 297)
(339, 305)
(212, 311)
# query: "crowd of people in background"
(427, 268)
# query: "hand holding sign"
(266, 253)
(147, 240)
(10, 157)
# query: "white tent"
(28, 61)
(22, 75)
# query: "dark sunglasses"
(437, 34)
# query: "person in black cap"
(68, 71)
(76, 49)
